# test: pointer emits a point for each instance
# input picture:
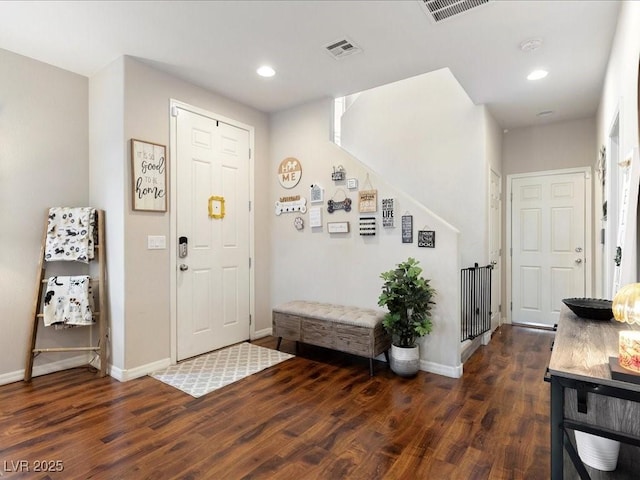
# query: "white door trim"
(492, 171)
(173, 243)
(588, 223)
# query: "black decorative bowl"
(591, 308)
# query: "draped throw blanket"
(70, 234)
(68, 301)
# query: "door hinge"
(250, 319)
(511, 306)
(511, 251)
(249, 205)
(249, 262)
(249, 153)
(500, 308)
(174, 111)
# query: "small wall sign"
(368, 201)
(345, 204)
(149, 166)
(427, 238)
(338, 173)
(316, 194)
(338, 227)
(315, 217)
(407, 229)
(291, 204)
(367, 226)
(289, 172)
(388, 219)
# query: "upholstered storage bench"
(354, 330)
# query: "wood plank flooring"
(317, 416)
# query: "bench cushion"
(361, 317)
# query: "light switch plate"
(156, 242)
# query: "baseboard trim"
(65, 364)
(265, 332)
(137, 372)
(439, 369)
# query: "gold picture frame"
(216, 207)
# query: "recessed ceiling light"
(266, 71)
(546, 113)
(537, 75)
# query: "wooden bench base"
(345, 329)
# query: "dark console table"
(584, 397)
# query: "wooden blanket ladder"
(99, 313)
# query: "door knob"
(183, 267)
(578, 249)
(578, 261)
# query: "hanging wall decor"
(333, 205)
(368, 199)
(338, 227)
(338, 173)
(407, 229)
(291, 204)
(149, 166)
(388, 220)
(316, 194)
(289, 172)
(427, 238)
(298, 223)
(352, 183)
(216, 207)
(367, 226)
(315, 217)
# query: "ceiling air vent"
(342, 48)
(439, 10)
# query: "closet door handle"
(184, 267)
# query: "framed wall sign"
(388, 220)
(315, 217)
(407, 229)
(367, 226)
(316, 194)
(338, 227)
(427, 238)
(149, 176)
(368, 201)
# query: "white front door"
(548, 242)
(495, 247)
(213, 283)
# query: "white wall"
(551, 146)
(43, 163)
(147, 93)
(425, 136)
(107, 191)
(620, 94)
(344, 268)
(545, 147)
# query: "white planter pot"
(597, 452)
(405, 361)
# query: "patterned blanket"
(68, 301)
(70, 234)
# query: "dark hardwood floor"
(318, 415)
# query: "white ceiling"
(219, 45)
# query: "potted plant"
(407, 296)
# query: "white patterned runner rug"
(209, 372)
